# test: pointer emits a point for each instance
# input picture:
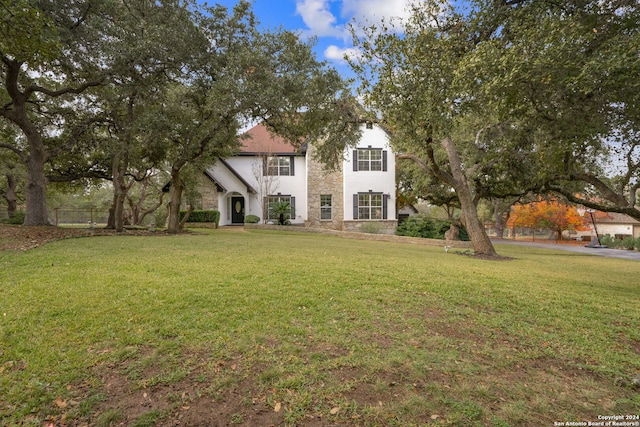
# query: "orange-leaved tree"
(551, 215)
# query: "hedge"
(423, 226)
(202, 216)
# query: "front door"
(237, 210)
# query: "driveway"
(605, 252)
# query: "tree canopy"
(117, 89)
(507, 97)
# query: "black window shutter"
(292, 161)
(293, 207)
(265, 161)
(385, 204)
(355, 161)
(384, 160)
(355, 206)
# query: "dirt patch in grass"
(211, 393)
(21, 238)
(16, 237)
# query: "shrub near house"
(429, 228)
(209, 216)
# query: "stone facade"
(208, 192)
(324, 182)
(387, 226)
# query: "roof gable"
(258, 140)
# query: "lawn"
(264, 328)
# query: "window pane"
(272, 166)
(325, 206)
(364, 200)
(376, 200)
(285, 166)
(363, 213)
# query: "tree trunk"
(144, 213)
(36, 188)
(177, 186)
(498, 219)
(119, 168)
(10, 195)
(481, 243)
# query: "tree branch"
(603, 188)
(55, 93)
(19, 152)
(626, 210)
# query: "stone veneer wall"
(387, 226)
(323, 182)
(209, 193)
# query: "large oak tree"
(505, 97)
(47, 59)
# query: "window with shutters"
(370, 159)
(325, 207)
(370, 205)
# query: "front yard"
(280, 328)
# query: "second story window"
(369, 159)
(279, 166)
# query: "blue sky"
(325, 19)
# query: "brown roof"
(614, 217)
(259, 140)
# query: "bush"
(251, 219)
(202, 216)
(627, 243)
(428, 228)
(608, 241)
(18, 219)
(160, 217)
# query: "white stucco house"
(358, 195)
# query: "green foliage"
(28, 34)
(627, 243)
(160, 217)
(17, 219)
(281, 210)
(202, 216)
(251, 219)
(426, 227)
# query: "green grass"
(344, 331)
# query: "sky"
(324, 19)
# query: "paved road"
(611, 253)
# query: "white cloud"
(336, 53)
(329, 18)
(374, 11)
(319, 19)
